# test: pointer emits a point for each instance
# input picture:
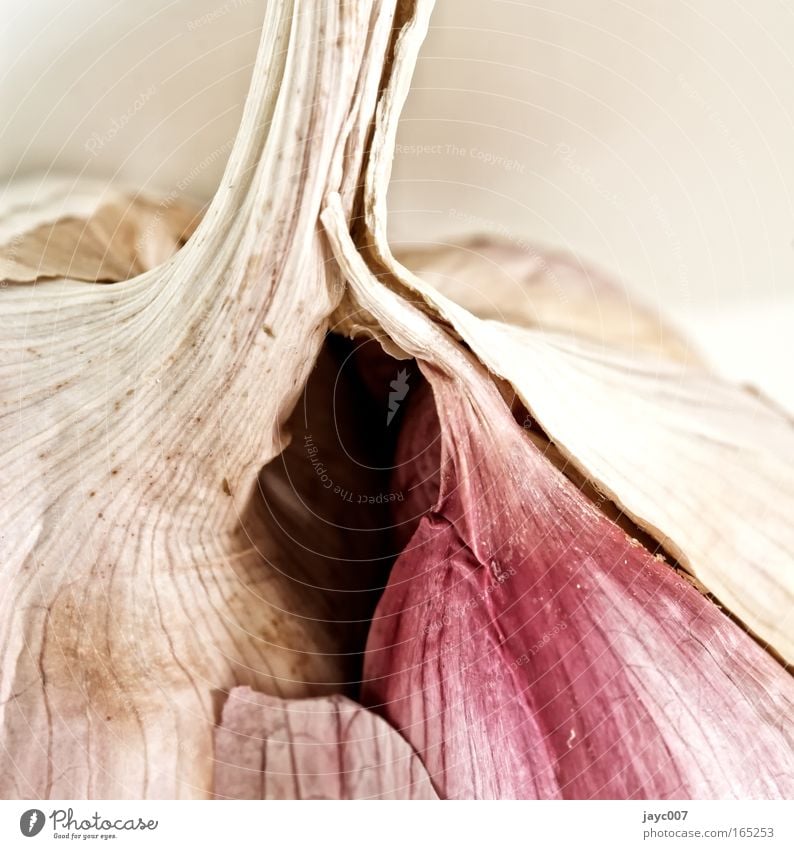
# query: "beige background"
(656, 138)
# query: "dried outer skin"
(516, 283)
(88, 230)
(528, 648)
(323, 748)
(647, 691)
(135, 420)
(703, 466)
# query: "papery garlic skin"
(140, 583)
(58, 227)
(520, 284)
(329, 748)
(703, 466)
(528, 648)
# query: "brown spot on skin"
(225, 486)
(114, 471)
(267, 330)
(92, 493)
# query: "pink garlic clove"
(528, 648)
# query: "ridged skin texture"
(324, 748)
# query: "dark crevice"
(324, 502)
(339, 508)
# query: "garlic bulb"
(665, 442)
(177, 482)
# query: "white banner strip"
(402, 825)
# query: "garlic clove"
(701, 465)
(514, 282)
(87, 230)
(665, 695)
(705, 467)
(528, 648)
(322, 748)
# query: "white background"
(656, 138)
(340, 825)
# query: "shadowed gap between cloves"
(325, 499)
(334, 500)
